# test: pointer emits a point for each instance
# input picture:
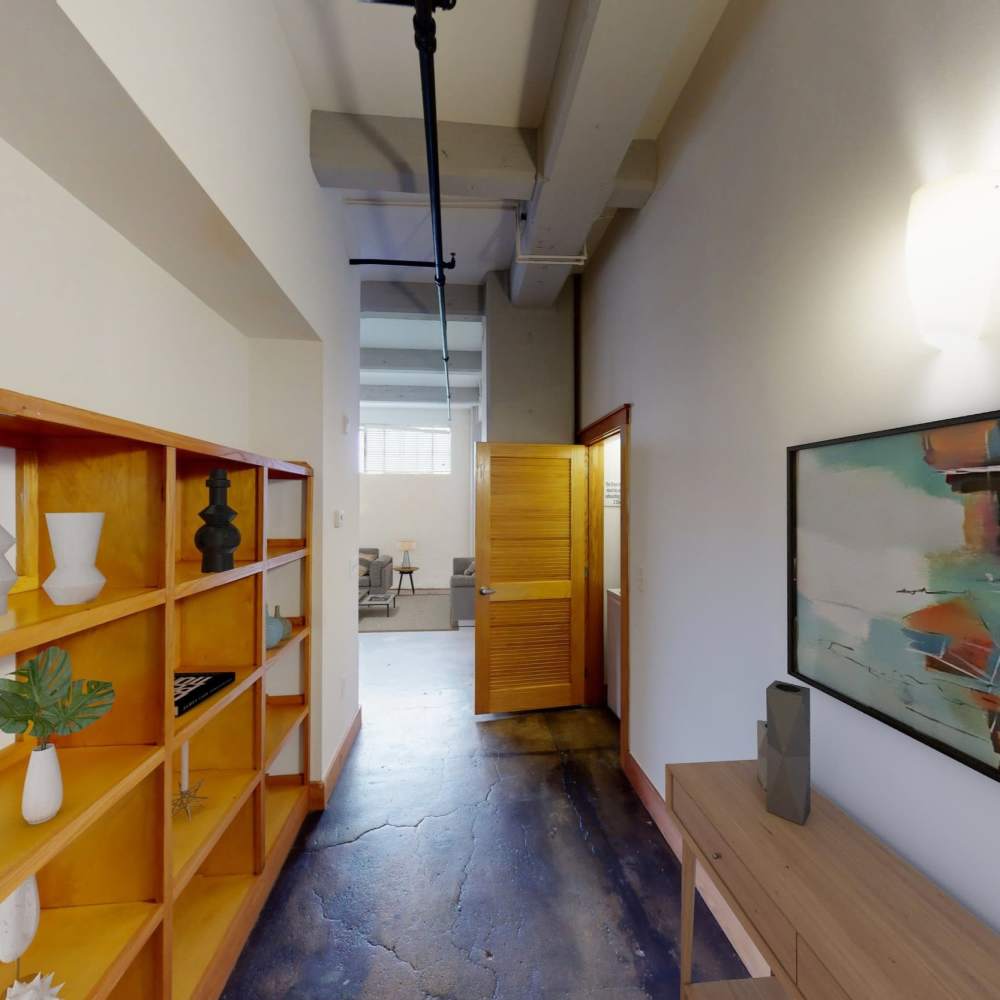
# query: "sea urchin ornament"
(40, 988)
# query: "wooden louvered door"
(531, 523)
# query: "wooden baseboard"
(320, 791)
(659, 813)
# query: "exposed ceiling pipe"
(425, 39)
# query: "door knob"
(486, 591)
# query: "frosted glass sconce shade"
(8, 576)
(74, 538)
(952, 253)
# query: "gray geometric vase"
(762, 753)
(788, 786)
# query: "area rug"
(420, 612)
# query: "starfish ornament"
(186, 800)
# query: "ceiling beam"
(65, 111)
(386, 359)
(374, 153)
(609, 70)
(421, 395)
(412, 300)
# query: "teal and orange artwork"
(896, 563)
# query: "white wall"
(219, 83)
(528, 370)
(759, 300)
(87, 319)
(435, 511)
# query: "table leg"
(413, 589)
(687, 915)
(399, 587)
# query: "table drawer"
(814, 980)
(769, 921)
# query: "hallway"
(506, 858)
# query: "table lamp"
(406, 547)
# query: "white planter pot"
(19, 914)
(8, 577)
(74, 538)
(43, 791)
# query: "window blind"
(405, 451)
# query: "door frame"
(617, 422)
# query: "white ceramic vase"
(19, 914)
(74, 538)
(8, 576)
(42, 796)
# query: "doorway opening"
(607, 651)
(416, 515)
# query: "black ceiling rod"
(425, 37)
(390, 262)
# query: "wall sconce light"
(952, 256)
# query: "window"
(405, 451)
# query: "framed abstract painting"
(894, 579)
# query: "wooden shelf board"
(288, 470)
(189, 578)
(225, 792)
(736, 989)
(186, 725)
(280, 552)
(33, 620)
(280, 803)
(94, 779)
(203, 917)
(88, 947)
(299, 632)
(27, 415)
(281, 720)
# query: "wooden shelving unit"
(138, 904)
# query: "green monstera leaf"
(43, 697)
(17, 709)
(47, 676)
(87, 702)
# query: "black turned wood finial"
(217, 538)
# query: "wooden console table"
(836, 914)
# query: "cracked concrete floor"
(499, 859)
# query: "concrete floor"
(502, 859)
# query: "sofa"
(378, 578)
(463, 591)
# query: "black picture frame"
(792, 583)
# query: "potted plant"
(43, 697)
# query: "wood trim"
(593, 685)
(610, 423)
(320, 791)
(617, 422)
(659, 813)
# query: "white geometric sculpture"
(74, 538)
(8, 577)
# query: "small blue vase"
(274, 629)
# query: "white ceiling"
(494, 66)
(423, 334)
